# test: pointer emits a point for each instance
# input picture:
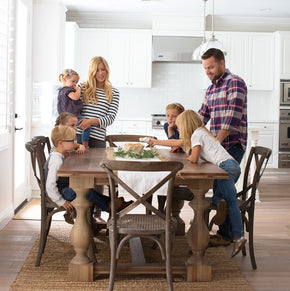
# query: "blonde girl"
(100, 100)
(69, 119)
(69, 98)
(200, 144)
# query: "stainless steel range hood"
(174, 48)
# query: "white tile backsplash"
(184, 83)
(171, 82)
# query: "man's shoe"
(221, 213)
(217, 240)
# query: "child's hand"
(152, 142)
(81, 149)
(78, 89)
(67, 206)
(175, 149)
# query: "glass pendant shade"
(196, 56)
(211, 43)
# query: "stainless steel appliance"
(158, 121)
(285, 92)
(284, 139)
(284, 130)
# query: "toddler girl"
(69, 99)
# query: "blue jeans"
(225, 189)
(98, 199)
(85, 133)
(68, 194)
(237, 152)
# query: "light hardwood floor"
(272, 238)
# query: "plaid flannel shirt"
(225, 105)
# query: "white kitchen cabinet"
(128, 53)
(284, 59)
(125, 126)
(92, 43)
(251, 56)
(267, 137)
(131, 58)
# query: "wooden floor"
(272, 238)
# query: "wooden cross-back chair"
(112, 139)
(155, 226)
(37, 147)
(258, 157)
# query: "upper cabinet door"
(93, 42)
(131, 58)
(284, 43)
(119, 55)
(261, 66)
(251, 56)
(141, 59)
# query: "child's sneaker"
(68, 218)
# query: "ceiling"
(266, 8)
(139, 12)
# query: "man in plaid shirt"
(225, 105)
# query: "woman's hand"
(85, 123)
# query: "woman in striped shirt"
(100, 103)
(100, 107)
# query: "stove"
(158, 121)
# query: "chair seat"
(145, 224)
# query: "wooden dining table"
(84, 172)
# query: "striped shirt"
(225, 105)
(103, 110)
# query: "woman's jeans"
(225, 189)
(85, 133)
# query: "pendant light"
(213, 42)
(196, 56)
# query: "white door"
(22, 102)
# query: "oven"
(158, 121)
(284, 139)
(285, 92)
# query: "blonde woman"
(100, 103)
(199, 143)
(100, 106)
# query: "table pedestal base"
(83, 273)
(199, 273)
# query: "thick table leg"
(81, 267)
(198, 268)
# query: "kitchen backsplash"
(184, 83)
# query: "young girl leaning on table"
(199, 143)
